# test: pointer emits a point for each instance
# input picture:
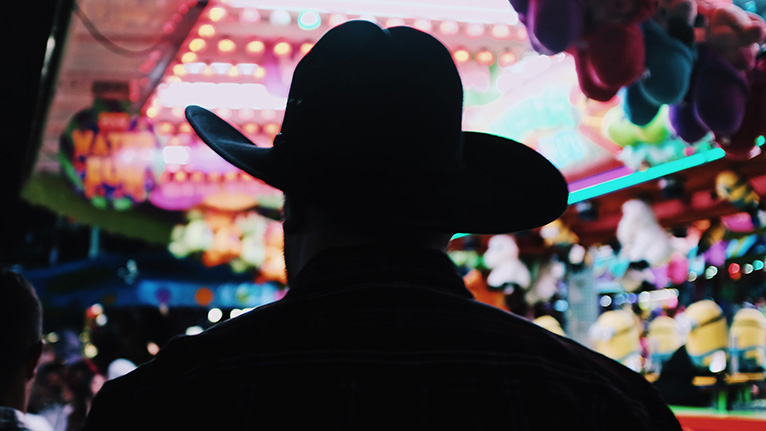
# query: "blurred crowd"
(63, 388)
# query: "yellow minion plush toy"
(615, 335)
(708, 335)
(734, 188)
(747, 340)
(550, 323)
(664, 338)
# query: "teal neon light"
(650, 174)
(643, 176)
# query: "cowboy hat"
(372, 128)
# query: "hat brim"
(504, 186)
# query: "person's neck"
(300, 249)
(15, 394)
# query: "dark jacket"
(379, 339)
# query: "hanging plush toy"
(641, 236)
(721, 84)
(734, 188)
(604, 37)
(669, 41)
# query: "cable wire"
(108, 44)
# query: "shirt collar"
(10, 416)
(340, 268)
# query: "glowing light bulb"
(485, 57)
(197, 45)
(501, 31)
(474, 30)
(206, 30)
(461, 55)
(394, 22)
(507, 59)
(282, 48)
(226, 45)
(423, 25)
(216, 14)
(337, 19)
(255, 47)
(449, 28)
(280, 18)
(309, 20)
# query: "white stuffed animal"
(641, 236)
(502, 257)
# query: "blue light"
(309, 20)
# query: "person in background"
(20, 349)
(50, 397)
(84, 381)
(378, 330)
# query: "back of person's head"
(20, 324)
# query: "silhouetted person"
(20, 348)
(378, 330)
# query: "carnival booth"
(655, 112)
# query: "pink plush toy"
(724, 91)
(603, 35)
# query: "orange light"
(230, 176)
(226, 45)
(461, 55)
(165, 128)
(197, 45)
(507, 58)
(214, 176)
(189, 57)
(180, 176)
(260, 73)
(174, 141)
(306, 47)
(282, 48)
(206, 30)
(216, 14)
(250, 128)
(184, 128)
(151, 112)
(255, 47)
(271, 129)
(179, 70)
(197, 177)
(485, 57)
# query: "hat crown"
(363, 91)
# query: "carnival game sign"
(107, 154)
